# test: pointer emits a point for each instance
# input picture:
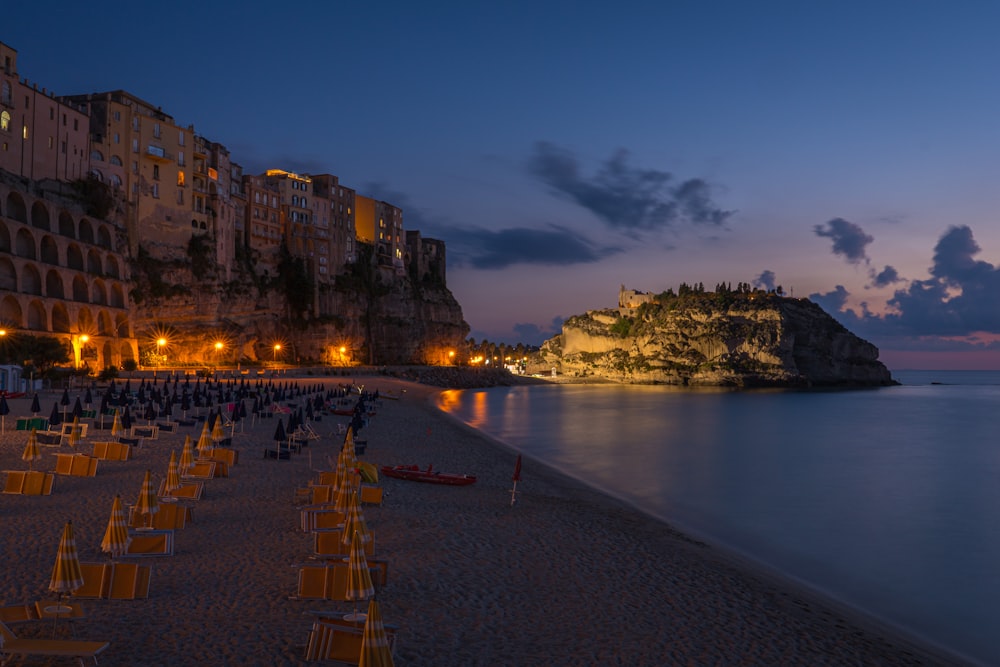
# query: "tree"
(38, 352)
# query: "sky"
(846, 151)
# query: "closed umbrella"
(66, 574)
(116, 539)
(359, 578)
(55, 419)
(88, 398)
(354, 524)
(375, 648)
(218, 431)
(77, 408)
(4, 411)
(64, 401)
(117, 430)
(31, 451)
(35, 407)
(187, 456)
(147, 505)
(173, 481)
(74, 433)
(345, 487)
(205, 442)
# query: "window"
(5, 94)
(156, 130)
(180, 197)
(52, 142)
(97, 156)
(194, 224)
(24, 132)
(156, 190)
(180, 138)
(76, 124)
(118, 138)
(4, 121)
(135, 122)
(64, 148)
(135, 167)
(52, 113)
(180, 179)
(180, 156)
(156, 172)
(295, 201)
(115, 160)
(116, 180)
(118, 115)
(64, 120)
(135, 145)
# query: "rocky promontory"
(737, 339)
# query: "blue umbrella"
(54, 418)
(35, 407)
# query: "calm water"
(887, 499)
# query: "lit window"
(4, 121)
(24, 132)
(180, 180)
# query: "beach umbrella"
(205, 442)
(77, 408)
(88, 398)
(173, 481)
(35, 407)
(375, 648)
(66, 574)
(116, 539)
(31, 451)
(117, 430)
(4, 411)
(345, 487)
(187, 456)
(147, 505)
(359, 577)
(516, 478)
(55, 419)
(354, 524)
(150, 413)
(64, 401)
(279, 432)
(74, 433)
(127, 419)
(218, 431)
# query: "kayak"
(415, 474)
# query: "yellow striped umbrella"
(205, 442)
(173, 481)
(66, 575)
(355, 524)
(218, 433)
(117, 430)
(345, 487)
(116, 539)
(375, 648)
(147, 505)
(31, 451)
(74, 433)
(187, 456)
(359, 577)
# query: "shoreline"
(569, 575)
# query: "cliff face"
(397, 322)
(764, 340)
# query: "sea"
(886, 500)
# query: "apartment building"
(381, 224)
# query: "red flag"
(517, 470)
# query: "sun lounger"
(112, 451)
(201, 469)
(129, 581)
(49, 438)
(151, 543)
(371, 494)
(166, 427)
(280, 454)
(316, 517)
(335, 639)
(96, 581)
(171, 516)
(322, 493)
(18, 613)
(28, 423)
(329, 542)
(76, 465)
(189, 490)
(28, 482)
(148, 432)
(11, 646)
(67, 429)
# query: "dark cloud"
(532, 334)
(765, 280)
(849, 240)
(958, 300)
(496, 249)
(886, 276)
(624, 197)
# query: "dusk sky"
(847, 151)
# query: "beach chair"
(129, 581)
(151, 543)
(28, 482)
(147, 432)
(76, 465)
(166, 427)
(112, 451)
(318, 517)
(201, 469)
(332, 638)
(14, 481)
(171, 516)
(11, 647)
(328, 543)
(322, 581)
(67, 429)
(18, 613)
(49, 438)
(189, 490)
(96, 581)
(371, 494)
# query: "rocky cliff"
(709, 339)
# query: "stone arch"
(74, 257)
(16, 209)
(104, 327)
(106, 353)
(112, 267)
(84, 320)
(8, 275)
(37, 318)
(40, 215)
(4, 237)
(50, 251)
(94, 262)
(60, 319)
(104, 238)
(54, 285)
(86, 231)
(98, 293)
(66, 225)
(79, 289)
(31, 280)
(24, 244)
(125, 349)
(10, 312)
(117, 296)
(122, 327)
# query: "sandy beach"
(568, 576)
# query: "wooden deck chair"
(49, 438)
(167, 427)
(76, 465)
(322, 581)
(148, 432)
(319, 517)
(151, 543)
(11, 646)
(129, 581)
(189, 490)
(112, 451)
(18, 613)
(14, 481)
(68, 428)
(228, 456)
(322, 493)
(335, 639)
(37, 483)
(371, 494)
(329, 542)
(96, 580)
(201, 469)
(327, 478)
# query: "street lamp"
(277, 348)
(160, 343)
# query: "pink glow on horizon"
(897, 360)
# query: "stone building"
(381, 224)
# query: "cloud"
(886, 276)
(497, 249)
(849, 240)
(624, 197)
(832, 302)
(765, 280)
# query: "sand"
(568, 576)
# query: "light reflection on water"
(887, 499)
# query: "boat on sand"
(415, 474)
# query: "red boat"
(415, 474)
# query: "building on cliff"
(630, 300)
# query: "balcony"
(157, 154)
